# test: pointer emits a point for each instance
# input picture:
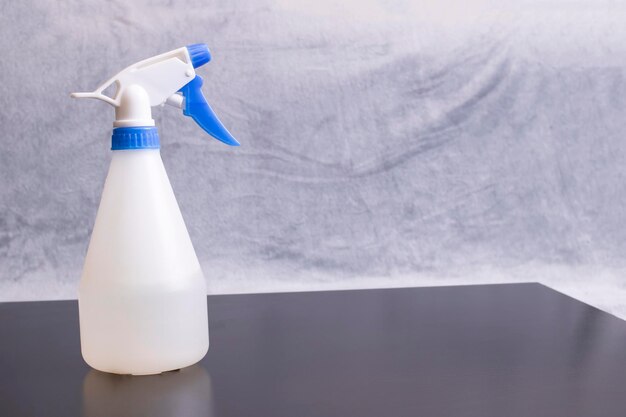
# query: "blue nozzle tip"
(199, 54)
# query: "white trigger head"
(145, 84)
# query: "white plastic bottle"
(142, 295)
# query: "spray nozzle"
(167, 78)
(199, 54)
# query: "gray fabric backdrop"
(384, 143)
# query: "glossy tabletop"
(471, 351)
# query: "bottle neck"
(134, 108)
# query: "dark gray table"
(489, 350)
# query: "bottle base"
(143, 371)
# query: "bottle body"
(142, 294)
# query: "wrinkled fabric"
(384, 143)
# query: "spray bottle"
(142, 294)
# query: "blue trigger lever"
(196, 106)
